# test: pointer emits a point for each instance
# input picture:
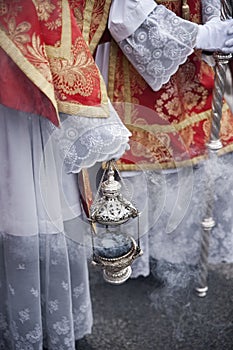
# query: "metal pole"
(215, 144)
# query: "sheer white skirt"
(44, 287)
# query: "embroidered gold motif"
(183, 93)
(18, 34)
(227, 126)
(63, 48)
(155, 147)
(75, 76)
(37, 51)
(44, 9)
(38, 56)
(92, 17)
(3, 8)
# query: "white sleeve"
(159, 45)
(126, 16)
(84, 141)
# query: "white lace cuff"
(84, 141)
(210, 9)
(160, 45)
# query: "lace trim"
(210, 9)
(82, 141)
(160, 45)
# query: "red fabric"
(18, 92)
(47, 45)
(170, 127)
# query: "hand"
(215, 35)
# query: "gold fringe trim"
(188, 121)
(101, 111)
(225, 149)
(159, 166)
(172, 164)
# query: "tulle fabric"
(45, 299)
(176, 206)
(44, 235)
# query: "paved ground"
(162, 311)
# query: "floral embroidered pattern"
(160, 45)
(77, 291)
(53, 305)
(88, 141)
(24, 315)
(170, 98)
(62, 327)
(44, 9)
(38, 56)
(21, 319)
(76, 76)
(210, 9)
(50, 49)
(18, 33)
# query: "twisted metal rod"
(221, 61)
(213, 146)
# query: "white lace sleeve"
(210, 9)
(84, 141)
(161, 43)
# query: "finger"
(227, 50)
(228, 43)
(230, 30)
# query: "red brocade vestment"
(169, 127)
(49, 66)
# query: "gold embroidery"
(226, 126)
(100, 19)
(154, 147)
(175, 127)
(3, 8)
(67, 68)
(44, 9)
(18, 34)
(77, 75)
(158, 166)
(101, 111)
(173, 5)
(93, 20)
(38, 56)
(226, 149)
(66, 38)
(183, 93)
(77, 8)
